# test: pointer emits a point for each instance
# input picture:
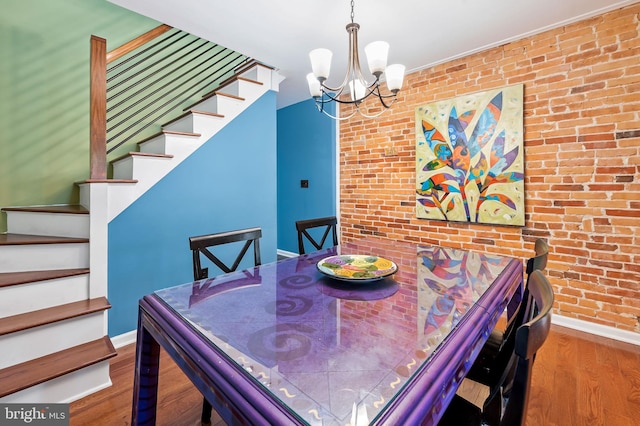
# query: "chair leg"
(206, 413)
(492, 409)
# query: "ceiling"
(421, 34)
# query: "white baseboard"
(124, 339)
(88, 392)
(287, 253)
(597, 329)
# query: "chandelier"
(358, 87)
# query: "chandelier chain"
(352, 14)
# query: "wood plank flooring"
(578, 379)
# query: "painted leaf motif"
(486, 125)
(435, 182)
(466, 118)
(426, 202)
(499, 160)
(433, 165)
(503, 199)
(457, 137)
(437, 142)
(448, 188)
(478, 171)
(451, 205)
(504, 178)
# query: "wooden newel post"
(98, 109)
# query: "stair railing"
(147, 81)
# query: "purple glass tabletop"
(331, 351)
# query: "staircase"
(53, 259)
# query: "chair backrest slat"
(329, 224)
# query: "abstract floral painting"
(469, 158)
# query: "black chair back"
(329, 224)
(523, 314)
(529, 338)
(201, 244)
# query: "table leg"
(145, 385)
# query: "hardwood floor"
(578, 379)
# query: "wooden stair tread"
(232, 79)
(218, 93)
(24, 239)
(107, 181)
(14, 278)
(169, 132)
(39, 370)
(41, 317)
(212, 114)
(251, 64)
(67, 208)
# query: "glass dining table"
(286, 344)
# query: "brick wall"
(582, 162)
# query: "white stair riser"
(41, 257)
(36, 342)
(242, 88)
(168, 144)
(141, 168)
(229, 107)
(65, 389)
(260, 73)
(203, 124)
(51, 224)
(123, 169)
(18, 299)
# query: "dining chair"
(325, 225)
(530, 337)
(200, 246)
(496, 352)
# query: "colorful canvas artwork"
(469, 158)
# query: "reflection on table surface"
(333, 351)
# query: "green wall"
(44, 93)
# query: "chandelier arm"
(382, 97)
(367, 115)
(335, 99)
(322, 110)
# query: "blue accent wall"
(306, 150)
(228, 184)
